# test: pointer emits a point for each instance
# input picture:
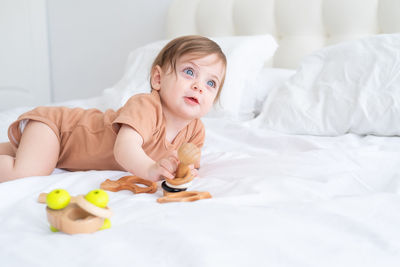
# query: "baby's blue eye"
(211, 83)
(189, 72)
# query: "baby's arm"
(128, 152)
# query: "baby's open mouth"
(192, 100)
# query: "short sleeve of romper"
(143, 113)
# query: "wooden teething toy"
(75, 215)
(130, 183)
(184, 196)
(188, 154)
(175, 189)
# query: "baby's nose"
(196, 87)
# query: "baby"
(141, 137)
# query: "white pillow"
(350, 87)
(267, 80)
(246, 56)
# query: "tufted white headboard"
(299, 26)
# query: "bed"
(303, 169)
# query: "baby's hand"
(195, 172)
(165, 167)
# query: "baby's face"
(190, 92)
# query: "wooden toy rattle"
(175, 189)
(130, 183)
(75, 215)
(188, 154)
(184, 196)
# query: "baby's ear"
(155, 78)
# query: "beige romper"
(87, 136)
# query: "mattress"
(277, 200)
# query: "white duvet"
(278, 200)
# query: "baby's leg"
(37, 153)
(7, 149)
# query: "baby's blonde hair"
(191, 44)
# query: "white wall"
(90, 41)
(24, 54)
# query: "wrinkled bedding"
(278, 200)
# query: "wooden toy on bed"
(174, 190)
(130, 183)
(184, 196)
(188, 154)
(76, 215)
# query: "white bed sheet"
(278, 200)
